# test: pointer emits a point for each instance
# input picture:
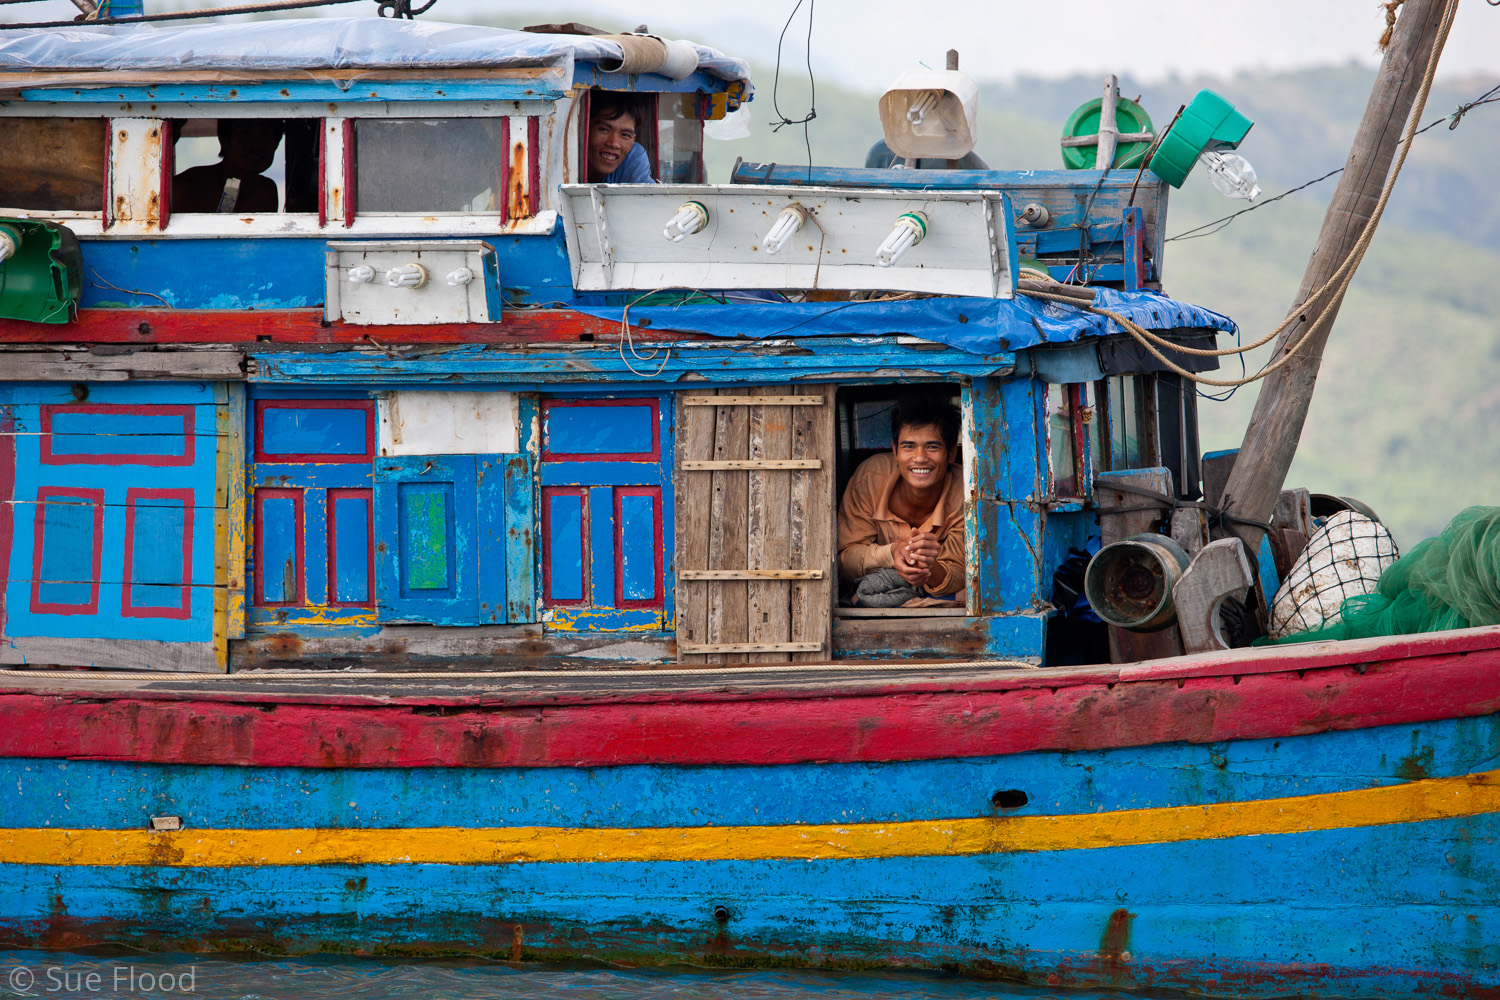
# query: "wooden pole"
(1281, 409)
(1109, 129)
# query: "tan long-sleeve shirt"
(868, 529)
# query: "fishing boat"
(440, 556)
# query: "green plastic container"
(1129, 117)
(42, 280)
(1208, 122)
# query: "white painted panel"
(615, 239)
(335, 172)
(135, 175)
(458, 283)
(427, 422)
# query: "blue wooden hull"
(1365, 907)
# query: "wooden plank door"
(755, 525)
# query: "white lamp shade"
(931, 113)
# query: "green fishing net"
(1451, 581)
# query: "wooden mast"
(1281, 409)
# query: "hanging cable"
(1488, 97)
(185, 15)
(812, 101)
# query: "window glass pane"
(429, 165)
(1124, 423)
(679, 140)
(1093, 420)
(52, 164)
(1060, 441)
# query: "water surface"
(99, 974)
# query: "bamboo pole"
(1281, 409)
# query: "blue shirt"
(636, 169)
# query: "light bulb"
(460, 276)
(690, 219)
(791, 219)
(922, 107)
(10, 242)
(905, 234)
(361, 273)
(406, 276)
(1231, 174)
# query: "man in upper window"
(615, 157)
(901, 522)
(247, 147)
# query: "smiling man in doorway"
(901, 522)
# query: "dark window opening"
(644, 111)
(245, 166)
(863, 416)
(52, 164)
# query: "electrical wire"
(812, 101)
(248, 8)
(1488, 97)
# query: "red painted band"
(307, 326)
(1069, 710)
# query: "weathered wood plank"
(769, 608)
(1220, 570)
(757, 648)
(750, 574)
(749, 464)
(751, 400)
(812, 533)
(81, 366)
(727, 617)
(695, 439)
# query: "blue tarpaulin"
(976, 325)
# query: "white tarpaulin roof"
(314, 43)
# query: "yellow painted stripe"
(1437, 798)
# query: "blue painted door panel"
(441, 525)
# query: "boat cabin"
(420, 392)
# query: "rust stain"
(516, 200)
(515, 944)
(1114, 946)
(1416, 766)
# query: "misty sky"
(867, 43)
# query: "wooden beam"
(752, 401)
(83, 366)
(750, 574)
(723, 464)
(750, 647)
(1281, 408)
